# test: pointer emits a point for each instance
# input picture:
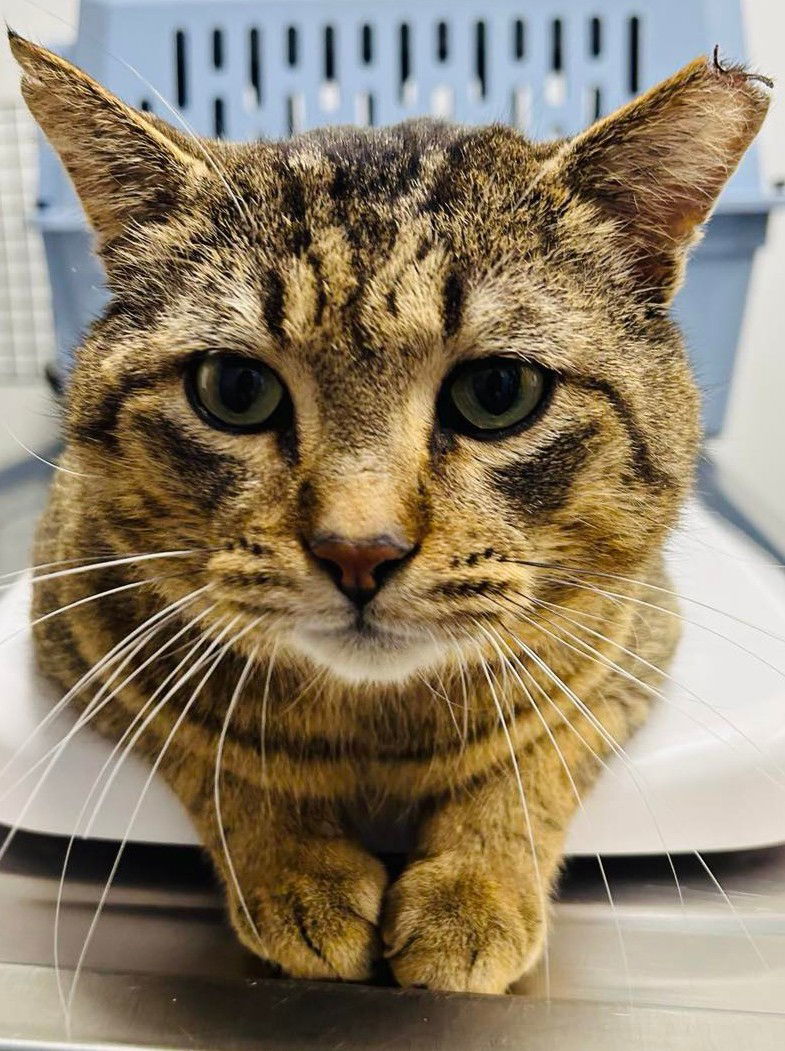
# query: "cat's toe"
(455, 926)
(318, 918)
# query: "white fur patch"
(383, 657)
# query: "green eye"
(237, 394)
(493, 395)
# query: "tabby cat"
(375, 447)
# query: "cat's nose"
(360, 567)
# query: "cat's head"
(384, 379)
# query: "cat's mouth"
(368, 650)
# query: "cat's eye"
(491, 397)
(238, 394)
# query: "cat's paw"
(316, 914)
(455, 925)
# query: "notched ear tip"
(738, 73)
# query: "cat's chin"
(369, 657)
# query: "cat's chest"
(384, 827)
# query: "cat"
(368, 467)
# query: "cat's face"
(374, 270)
(411, 361)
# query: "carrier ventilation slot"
(329, 53)
(366, 44)
(255, 66)
(218, 48)
(292, 45)
(219, 118)
(453, 70)
(634, 30)
(181, 67)
(365, 109)
(442, 41)
(557, 45)
(404, 64)
(295, 113)
(519, 39)
(480, 58)
(595, 37)
(330, 89)
(555, 87)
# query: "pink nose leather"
(357, 560)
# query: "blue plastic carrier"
(249, 68)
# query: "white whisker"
(574, 788)
(118, 745)
(541, 892)
(28, 570)
(317, 677)
(441, 695)
(110, 563)
(42, 459)
(116, 652)
(734, 911)
(609, 739)
(57, 750)
(78, 602)
(263, 715)
(217, 794)
(567, 574)
(154, 770)
(140, 716)
(464, 691)
(594, 654)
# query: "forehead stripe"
(452, 303)
(273, 304)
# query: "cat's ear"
(658, 164)
(125, 166)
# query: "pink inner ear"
(659, 163)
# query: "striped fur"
(363, 265)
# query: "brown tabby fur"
(363, 265)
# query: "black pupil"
(496, 389)
(239, 387)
